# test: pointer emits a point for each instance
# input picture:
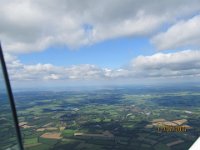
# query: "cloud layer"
(159, 66)
(33, 25)
(183, 33)
(179, 64)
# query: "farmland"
(108, 119)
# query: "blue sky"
(110, 53)
(100, 42)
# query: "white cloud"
(183, 33)
(130, 27)
(51, 77)
(184, 64)
(179, 64)
(33, 25)
(40, 72)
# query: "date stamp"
(168, 128)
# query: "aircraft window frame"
(11, 99)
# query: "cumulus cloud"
(179, 64)
(33, 25)
(40, 72)
(184, 64)
(183, 33)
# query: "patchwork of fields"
(108, 119)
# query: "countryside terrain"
(113, 118)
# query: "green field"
(118, 119)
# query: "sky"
(108, 42)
